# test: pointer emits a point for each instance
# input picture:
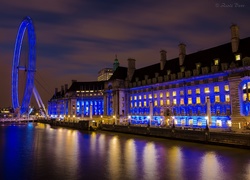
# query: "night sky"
(77, 38)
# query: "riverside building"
(211, 87)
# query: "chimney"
(131, 68)
(235, 38)
(66, 87)
(56, 91)
(163, 58)
(62, 91)
(182, 53)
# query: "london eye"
(30, 69)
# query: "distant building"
(105, 74)
(211, 87)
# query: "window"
(135, 97)
(135, 104)
(181, 92)
(174, 101)
(237, 57)
(244, 97)
(161, 95)
(131, 105)
(198, 91)
(145, 96)
(198, 100)
(150, 96)
(155, 95)
(189, 100)
(174, 93)
(140, 97)
(189, 91)
(227, 98)
(139, 104)
(167, 94)
(145, 103)
(217, 98)
(161, 102)
(198, 65)
(131, 98)
(216, 62)
(168, 102)
(216, 89)
(207, 90)
(226, 87)
(155, 103)
(181, 101)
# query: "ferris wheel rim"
(29, 85)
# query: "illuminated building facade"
(82, 99)
(211, 87)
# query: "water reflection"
(150, 161)
(37, 151)
(130, 157)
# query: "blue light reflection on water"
(37, 151)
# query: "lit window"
(198, 100)
(150, 96)
(198, 91)
(135, 104)
(155, 95)
(190, 122)
(131, 105)
(161, 102)
(145, 96)
(189, 91)
(207, 90)
(174, 93)
(217, 98)
(216, 89)
(226, 87)
(155, 103)
(248, 85)
(174, 101)
(181, 101)
(131, 98)
(189, 100)
(135, 97)
(167, 94)
(237, 57)
(168, 102)
(244, 97)
(140, 97)
(227, 98)
(145, 103)
(216, 62)
(198, 65)
(161, 95)
(181, 92)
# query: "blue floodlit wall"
(83, 107)
(60, 107)
(187, 105)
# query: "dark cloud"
(75, 39)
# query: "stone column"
(237, 119)
(105, 105)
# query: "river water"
(38, 151)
